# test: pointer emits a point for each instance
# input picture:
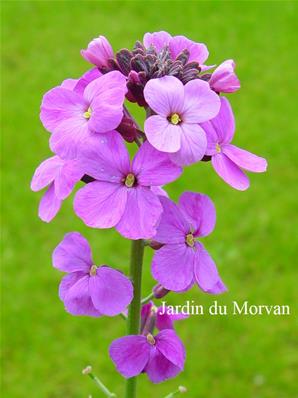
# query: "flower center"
(92, 271)
(190, 240)
(175, 118)
(87, 114)
(130, 180)
(150, 339)
(217, 148)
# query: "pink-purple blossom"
(164, 320)
(227, 159)
(60, 176)
(179, 110)
(224, 78)
(183, 260)
(88, 289)
(121, 195)
(98, 52)
(161, 357)
(75, 118)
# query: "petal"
(200, 212)
(73, 254)
(163, 320)
(70, 174)
(198, 52)
(163, 135)
(170, 346)
(111, 291)
(160, 368)
(159, 191)
(172, 227)
(77, 300)
(100, 204)
(107, 159)
(130, 354)
(157, 39)
(193, 145)
(206, 273)
(200, 102)
(46, 173)
(224, 79)
(141, 215)
(69, 84)
(68, 281)
(165, 95)
(172, 266)
(244, 159)
(49, 205)
(58, 105)
(153, 167)
(104, 84)
(230, 172)
(87, 78)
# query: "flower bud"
(155, 245)
(159, 291)
(99, 51)
(224, 79)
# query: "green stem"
(134, 312)
(103, 388)
(147, 298)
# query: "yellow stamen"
(130, 180)
(190, 240)
(150, 339)
(218, 148)
(87, 114)
(175, 118)
(93, 270)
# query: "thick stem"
(134, 312)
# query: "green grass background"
(254, 243)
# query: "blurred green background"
(255, 239)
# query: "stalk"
(134, 312)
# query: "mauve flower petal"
(172, 227)
(58, 105)
(141, 215)
(218, 288)
(70, 174)
(100, 204)
(244, 159)
(77, 300)
(98, 52)
(212, 138)
(160, 368)
(200, 102)
(205, 270)
(68, 281)
(153, 167)
(73, 254)
(157, 39)
(159, 191)
(163, 321)
(104, 84)
(69, 84)
(130, 354)
(87, 78)
(172, 266)
(193, 145)
(106, 160)
(197, 51)
(178, 317)
(49, 205)
(169, 344)
(46, 173)
(111, 291)
(200, 212)
(161, 134)
(165, 95)
(230, 172)
(224, 79)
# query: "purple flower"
(183, 261)
(164, 320)
(224, 79)
(79, 85)
(121, 196)
(227, 159)
(75, 118)
(99, 51)
(179, 109)
(89, 289)
(198, 52)
(61, 176)
(161, 357)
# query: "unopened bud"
(87, 370)
(182, 389)
(155, 245)
(159, 291)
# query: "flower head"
(60, 176)
(182, 260)
(120, 196)
(74, 117)
(99, 52)
(224, 78)
(179, 109)
(227, 159)
(161, 356)
(88, 289)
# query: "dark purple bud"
(128, 129)
(159, 291)
(123, 58)
(206, 158)
(155, 245)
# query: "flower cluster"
(188, 120)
